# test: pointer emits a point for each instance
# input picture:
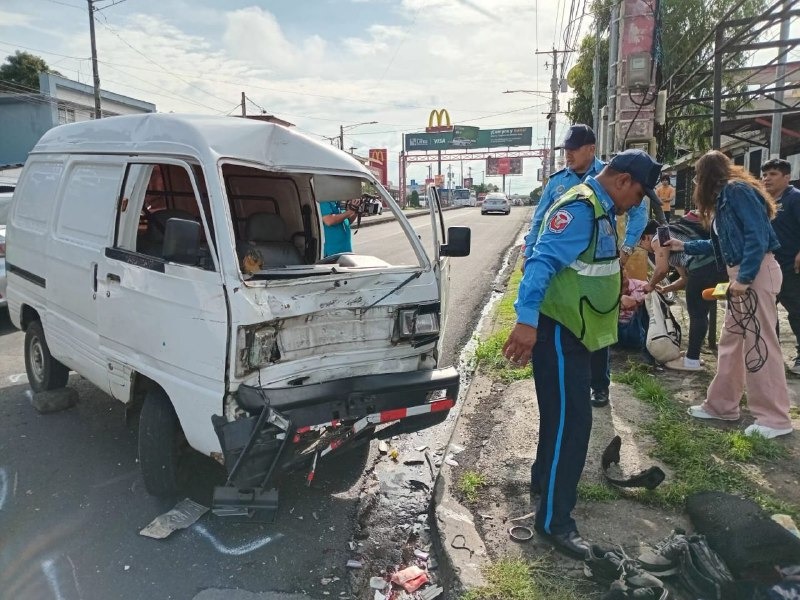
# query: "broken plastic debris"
(354, 564)
(421, 448)
(433, 564)
(410, 579)
(127, 567)
(421, 554)
(430, 593)
(352, 545)
(378, 596)
(456, 449)
(383, 447)
(451, 461)
(378, 583)
(328, 580)
(394, 454)
(185, 513)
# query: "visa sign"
(465, 138)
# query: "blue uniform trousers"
(601, 370)
(562, 374)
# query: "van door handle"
(113, 277)
(94, 277)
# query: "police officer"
(567, 308)
(579, 146)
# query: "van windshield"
(284, 230)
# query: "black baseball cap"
(641, 167)
(577, 136)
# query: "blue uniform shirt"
(563, 180)
(557, 248)
(337, 237)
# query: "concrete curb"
(461, 569)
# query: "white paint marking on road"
(17, 377)
(3, 487)
(236, 550)
(75, 577)
(14, 491)
(49, 569)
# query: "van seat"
(152, 242)
(267, 232)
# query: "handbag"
(664, 331)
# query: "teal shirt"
(337, 237)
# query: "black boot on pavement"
(570, 543)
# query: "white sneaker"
(698, 413)
(766, 432)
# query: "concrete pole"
(95, 74)
(553, 111)
(244, 105)
(777, 118)
(613, 58)
(596, 79)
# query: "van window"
(155, 193)
(40, 187)
(86, 214)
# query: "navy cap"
(641, 167)
(577, 136)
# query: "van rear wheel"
(160, 441)
(44, 372)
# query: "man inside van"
(337, 228)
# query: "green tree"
(21, 70)
(413, 199)
(536, 195)
(684, 25)
(580, 79)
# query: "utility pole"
(777, 117)
(613, 58)
(96, 75)
(596, 78)
(341, 137)
(554, 89)
(244, 105)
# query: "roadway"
(72, 501)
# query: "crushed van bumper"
(350, 398)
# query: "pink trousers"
(767, 393)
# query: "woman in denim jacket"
(739, 209)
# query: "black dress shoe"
(600, 398)
(570, 543)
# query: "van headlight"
(417, 322)
(256, 346)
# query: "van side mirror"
(458, 242)
(182, 241)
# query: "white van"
(126, 241)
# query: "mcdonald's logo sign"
(379, 164)
(440, 116)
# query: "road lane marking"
(3, 487)
(235, 550)
(49, 569)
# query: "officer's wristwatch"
(627, 250)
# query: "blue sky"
(316, 63)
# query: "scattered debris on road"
(185, 513)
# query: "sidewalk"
(498, 429)
(388, 215)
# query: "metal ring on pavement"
(520, 533)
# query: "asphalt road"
(72, 501)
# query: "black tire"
(44, 372)
(159, 444)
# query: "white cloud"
(10, 19)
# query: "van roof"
(201, 136)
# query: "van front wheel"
(44, 371)
(159, 444)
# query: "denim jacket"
(745, 233)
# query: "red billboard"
(378, 164)
(503, 166)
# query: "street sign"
(467, 182)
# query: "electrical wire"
(743, 312)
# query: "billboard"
(467, 182)
(503, 166)
(464, 136)
(378, 164)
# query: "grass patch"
(489, 352)
(704, 458)
(470, 483)
(517, 579)
(597, 492)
